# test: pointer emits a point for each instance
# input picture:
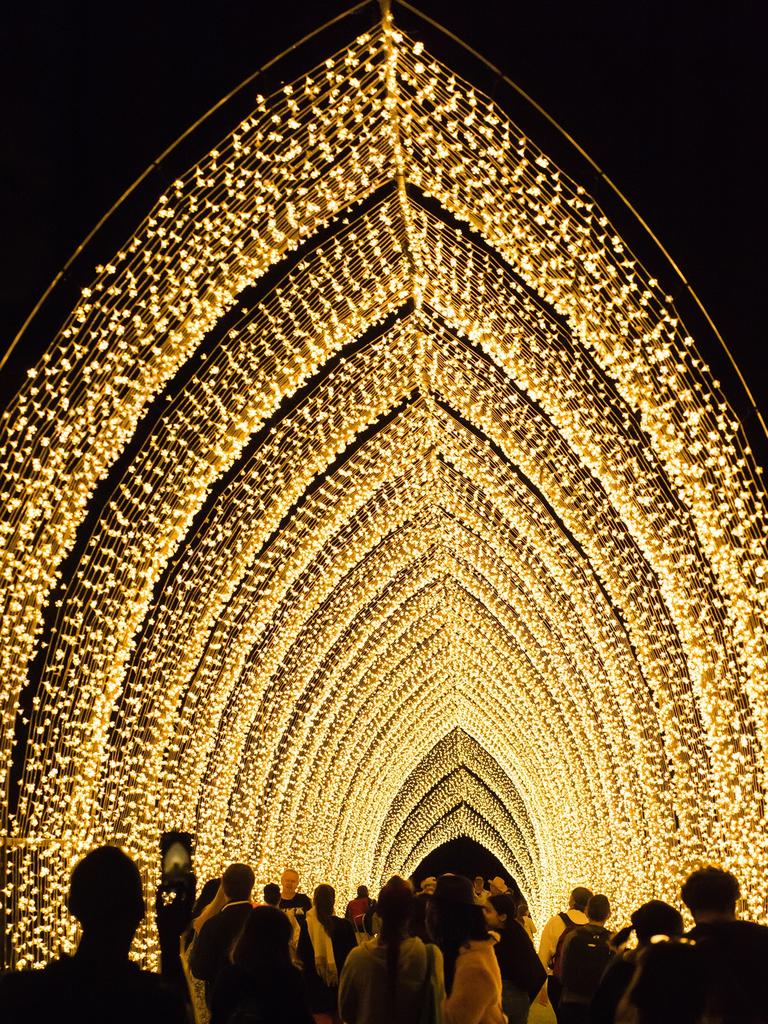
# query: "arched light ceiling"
(444, 530)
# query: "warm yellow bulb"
(451, 533)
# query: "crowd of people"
(455, 952)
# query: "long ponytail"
(394, 907)
(324, 899)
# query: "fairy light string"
(451, 532)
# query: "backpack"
(557, 959)
(359, 913)
(586, 957)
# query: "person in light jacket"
(472, 976)
(396, 976)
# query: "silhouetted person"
(272, 894)
(174, 903)
(654, 920)
(736, 951)
(261, 983)
(670, 986)
(325, 942)
(472, 977)
(220, 924)
(522, 973)
(99, 983)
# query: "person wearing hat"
(498, 887)
(472, 977)
(418, 925)
(481, 893)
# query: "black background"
(668, 97)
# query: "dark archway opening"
(462, 856)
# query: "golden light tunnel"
(403, 508)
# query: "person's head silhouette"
(99, 984)
(105, 895)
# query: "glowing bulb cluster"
(429, 541)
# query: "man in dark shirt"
(99, 983)
(736, 951)
(290, 899)
(217, 932)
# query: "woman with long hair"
(206, 901)
(472, 977)
(325, 942)
(395, 976)
(522, 973)
(261, 982)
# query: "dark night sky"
(668, 97)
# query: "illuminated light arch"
(462, 820)
(453, 509)
(467, 775)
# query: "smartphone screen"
(177, 862)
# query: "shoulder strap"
(429, 1010)
(430, 962)
(567, 921)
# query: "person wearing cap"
(472, 977)
(553, 929)
(418, 925)
(497, 886)
(481, 893)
